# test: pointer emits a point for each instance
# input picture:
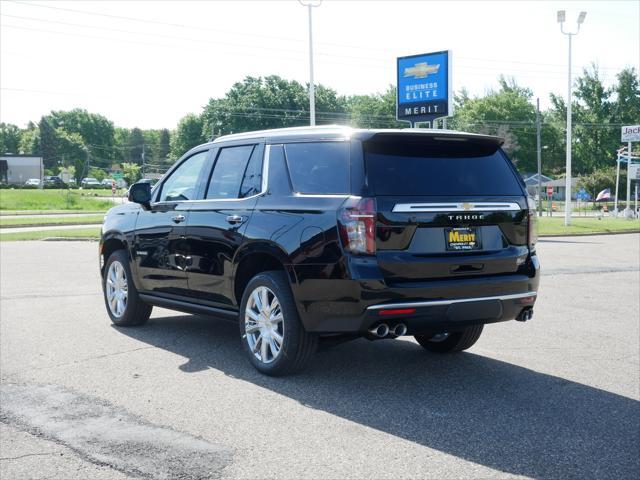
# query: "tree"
(507, 112)
(97, 173)
(9, 138)
(374, 111)
(259, 103)
(188, 135)
(601, 179)
(136, 145)
(131, 173)
(96, 132)
(626, 109)
(165, 145)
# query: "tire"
(132, 311)
(296, 345)
(453, 342)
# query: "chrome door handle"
(178, 218)
(233, 219)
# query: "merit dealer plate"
(462, 238)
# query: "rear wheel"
(120, 295)
(451, 342)
(272, 334)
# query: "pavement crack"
(28, 455)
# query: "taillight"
(357, 225)
(532, 223)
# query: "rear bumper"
(335, 305)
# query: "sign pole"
(615, 205)
(628, 178)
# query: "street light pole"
(312, 88)
(567, 208)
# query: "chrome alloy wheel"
(264, 325)
(117, 289)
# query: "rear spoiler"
(424, 134)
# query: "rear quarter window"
(319, 167)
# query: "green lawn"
(48, 221)
(50, 200)
(88, 233)
(555, 225)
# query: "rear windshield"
(409, 170)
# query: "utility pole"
(143, 160)
(539, 149)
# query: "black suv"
(306, 233)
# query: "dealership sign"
(424, 87)
(631, 133)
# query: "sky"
(146, 64)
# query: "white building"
(17, 169)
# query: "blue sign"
(424, 87)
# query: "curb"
(68, 239)
(590, 234)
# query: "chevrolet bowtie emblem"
(466, 206)
(421, 70)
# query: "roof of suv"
(339, 131)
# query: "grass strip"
(85, 233)
(584, 226)
(59, 200)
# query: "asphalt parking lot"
(557, 397)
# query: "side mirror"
(140, 193)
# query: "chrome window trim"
(456, 207)
(436, 303)
(265, 183)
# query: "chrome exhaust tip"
(399, 330)
(380, 331)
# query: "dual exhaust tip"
(382, 330)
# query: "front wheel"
(451, 342)
(272, 335)
(120, 295)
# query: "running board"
(187, 307)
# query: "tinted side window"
(320, 168)
(278, 176)
(252, 181)
(228, 172)
(183, 182)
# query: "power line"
(257, 35)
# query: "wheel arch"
(257, 257)
(110, 242)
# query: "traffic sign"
(424, 87)
(549, 191)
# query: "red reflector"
(526, 300)
(397, 311)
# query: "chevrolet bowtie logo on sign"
(421, 70)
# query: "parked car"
(90, 182)
(107, 182)
(305, 233)
(54, 180)
(33, 182)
